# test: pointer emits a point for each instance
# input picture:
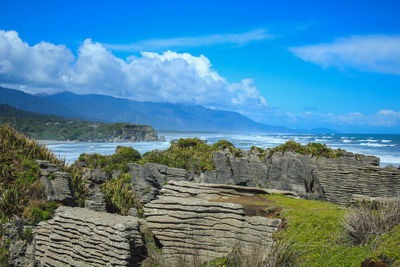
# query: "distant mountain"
(162, 116)
(24, 101)
(8, 111)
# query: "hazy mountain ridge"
(161, 116)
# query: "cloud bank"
(185, 42)
(180, 78)
(166, 77)
(371, 53)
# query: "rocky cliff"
(312, 177)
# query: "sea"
(385, 147)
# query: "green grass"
(316, 237)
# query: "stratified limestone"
(185, 219)
(312, 177)
(81, 237)
(95, 200)
(340, 182)
(148, 179)
(57, 184)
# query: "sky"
(300, 64)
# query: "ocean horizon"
(384, 146)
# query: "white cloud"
(207, 40)
(40, 65)
(166, 77)
(371, 53)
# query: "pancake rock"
(57, 184)
(81, 237)
(312, 177)
(197, 218)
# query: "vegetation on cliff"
(313, 149)
(21, 192)
(20, 188)
(118, 191)
(191, 154)
(48, 127)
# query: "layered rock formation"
(135, 133)
(95, 200)
(57, 184)
(80, 237)
(197, 219)
(148, 179)
(312, 177)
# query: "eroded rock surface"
(95, 200)
(81, 237)
(57, 184)
(148, 179)
(186, 219)
(312, 177)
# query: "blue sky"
(301, 64)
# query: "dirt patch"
(257, 205)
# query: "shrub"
(365, 221)
(28, 235)
(120, 197)
(39, 210)
(116, 162)
(222, 144)
(19, 174)
(314, 149)
(191, 154)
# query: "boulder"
(81, 237)
(57, 184)
(96, 200)
(148, 179)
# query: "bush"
(28, 235)
(120, 197)
(222, 144)
(39, 210)
(191, 154)
(313, 149)
(19, 174)
(116, 162)
(367, 221)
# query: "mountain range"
(162, 116)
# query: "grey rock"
(133, 212)
(312, 177)
(186, 218)
(81, 237)
(148, 179)
(96, 200)
(94, 176)
(57, 184)
(19, 249)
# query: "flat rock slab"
(185, 219)
(82, 237)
